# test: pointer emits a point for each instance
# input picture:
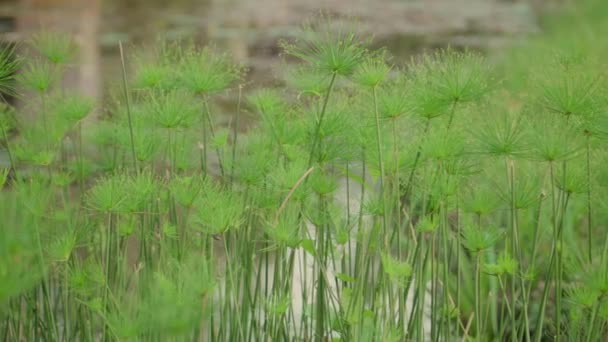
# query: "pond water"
(249, 30)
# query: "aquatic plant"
(373, 199)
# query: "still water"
(249, 29)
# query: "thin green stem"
(478, 318)
(45, 122)
(560, 265)
(381, 165)
(235, 134)
(128, 104)
(591, 326)
(589, 211)
(452, 112)
(408, 185)
(207, 116)
(516, 250)
(316, 138)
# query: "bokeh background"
(249, 29)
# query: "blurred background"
(249, 29)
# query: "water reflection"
(249, 29)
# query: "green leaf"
(345, 277)
(309, 246)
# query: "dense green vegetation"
(455, 197)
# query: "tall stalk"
(452, 112)
(45, 123)
(589, 212)
(317, 132)
(553, 270)
(320, 289)
(378, 143)
(207, 117)
(128, 104)
(408, 185)
(478, 326)
(44, 296)
(235, 134)
(396, 181)
(515, 249)
(381, 164)
(560, 265)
